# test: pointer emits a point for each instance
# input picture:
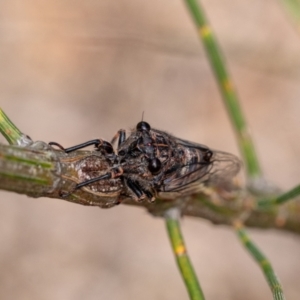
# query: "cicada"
(150, 163)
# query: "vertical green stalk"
(262, 261)
(11, 133)
(186, 269)
(227, 89)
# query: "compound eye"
(154, 165)
(143, 126)
(207, 156)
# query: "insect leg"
(87, 182)
(135, 188)
(150, 196)
(110, 175)
(120, 136)
(138, 190)
(113, 174)
(99, 144)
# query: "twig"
(39, 171)
(179, 249)
(262, 261)
(227, 89)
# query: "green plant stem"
(11, 133)
(182, 259)
(262, 261)
(227, 89)
(35, 172)
(280, 199)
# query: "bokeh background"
(75, 70)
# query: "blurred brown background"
(76, 70)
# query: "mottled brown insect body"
(150, 163)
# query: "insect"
(151, 163)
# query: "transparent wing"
(224, 167)
(191, 178)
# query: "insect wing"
(187, 179)
(191, 177)
(224, 167)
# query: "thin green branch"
(262, 261)
(227, 89)
(290, 195)
(11, 133)
(38, 171)
(179, 250)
